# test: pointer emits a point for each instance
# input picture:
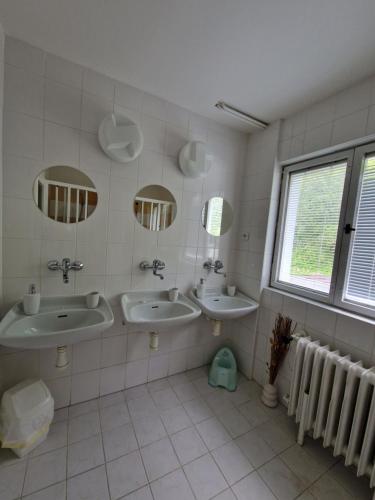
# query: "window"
(325, 244)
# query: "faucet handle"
(77, 265)
(219, 264)
(53, 265)
(158, 264)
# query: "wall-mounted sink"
(60, 321)
(218, 306)
(152, 310)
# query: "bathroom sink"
(152, 310)
(216, 305)
(60, 321)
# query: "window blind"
(360, 283)
(311, 221)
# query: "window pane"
(360, 285)
(311, 223)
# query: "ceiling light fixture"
(251, 120)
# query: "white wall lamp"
(120, 137)
(251, 120)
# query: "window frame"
(360, 155)
(320, 161)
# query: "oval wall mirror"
(217, 216)
(65, 194)
(155, 207)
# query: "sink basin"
(216, 305)
(152, 310)
(60, 321)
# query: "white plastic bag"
(25, 415)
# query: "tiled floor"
(177, 439)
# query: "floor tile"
(172, 487)
(203, 387)
(148, 430)
(141, 494)
(225, 495)
(7, 457)
(142, 407)
(239, 396)
(114, 416)
(11, 480)
(82, 408)
(111, 399)
(213, 433)
(91, 485)
(235, 423)
(44, 470)
(188, 445)
(139, 391)
(186, 392)
(85, 455)
(198, 410)
(165, 399)
(55, 492)
(326, 488)
(275, 436)
(358, 487)
(175, 419)
(196, 373)
(232, 462)
(56, 438)
(158, 385)
(306, 496)
(281, 480)
(302, 464)
(126, 474)
(219, 403)
(83, 427)
(254, 412)
(252, 488)
(255, 448)
(159, 459)
(179, 378)
(205, 477)
(119, 441)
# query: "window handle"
(348, 228)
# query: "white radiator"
(333, 398)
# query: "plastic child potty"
(223, 371)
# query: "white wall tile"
(23, 55)
(98, 84)
(85, 386)
(136, 373)
(354, 98)
(349, 127)
(23, 135)
(94, 109)
(62, 104)
(23, 92)
(112, 379)
(61, 145)
(86, 356)
(128, 96)
(113, 351)
(63, 71)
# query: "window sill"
(327, 307)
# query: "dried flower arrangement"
(280, 341)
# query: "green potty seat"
(223, 371)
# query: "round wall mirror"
(65, 194)
(217, 216)
(155, 207)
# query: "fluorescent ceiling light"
(251, 120)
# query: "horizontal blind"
(360, 284)
(310, 226)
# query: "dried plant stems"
(280, 341)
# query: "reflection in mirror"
(217, 216)
(65, 194)
(155, 207)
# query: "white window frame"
(354, 158)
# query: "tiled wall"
(52, 112)
(2, 42)
(346, 116)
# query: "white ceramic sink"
(216, 305)
(60, 321)
(152, 310)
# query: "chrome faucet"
(157, 265)
(65, 266)
(216, 266)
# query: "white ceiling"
(267, 57)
